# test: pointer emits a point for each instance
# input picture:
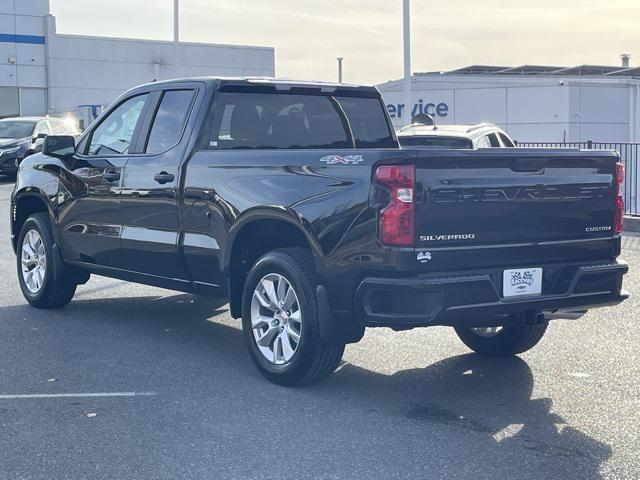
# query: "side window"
(41, 127)
(275, 120)
(113, 135)
(493, 140)
(169, 120)
(506, 141)
(483, 142)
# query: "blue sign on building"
(433, 109)
(12, 38)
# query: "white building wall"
(43, 72)
(22, 56)
(94, 70)
(601, 112)
(544, 109)
(491, 102)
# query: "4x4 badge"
(344, 160)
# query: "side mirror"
(41, 136)
(59, 145)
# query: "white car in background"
(424, 135)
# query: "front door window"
(114, 134)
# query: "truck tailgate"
(516, 206)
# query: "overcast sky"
(309, 34)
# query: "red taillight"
(397, 218)
(619, 220)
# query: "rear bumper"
(474, 298)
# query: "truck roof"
(277, 83)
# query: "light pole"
(406, 30)
(339, 69)
(176, 37)
(176, 21)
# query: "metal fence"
(630, 155)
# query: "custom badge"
(342, 160)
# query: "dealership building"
(43, 72)
(533, 103)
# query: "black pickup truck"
(294, 201)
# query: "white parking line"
(77, 395)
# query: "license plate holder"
(522, 281)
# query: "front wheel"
(280, 320)
(41, 285)
(501, 341)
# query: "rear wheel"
(280, 320)
(41, 285)
(501, 341)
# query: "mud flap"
(332, 330)
(61, 270)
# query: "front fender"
(35, 180)
(19, 214)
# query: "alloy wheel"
(276, 318)
(486, 331)
(33, 261)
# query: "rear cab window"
(368, 122)
(250, 120)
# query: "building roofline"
(538, 70)
(162, 42)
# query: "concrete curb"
(631, 224)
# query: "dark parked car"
(484, 135)
(22, 136)
(294, 202)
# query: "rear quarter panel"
(328, 202)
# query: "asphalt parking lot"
(175, 396)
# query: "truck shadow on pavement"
(491, 398)
(487, 402)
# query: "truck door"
(90, 221)
(150, 186)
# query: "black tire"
(58, 285)
(511, 340)
(313, 359)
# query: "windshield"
(435, 142)
(20, 129)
